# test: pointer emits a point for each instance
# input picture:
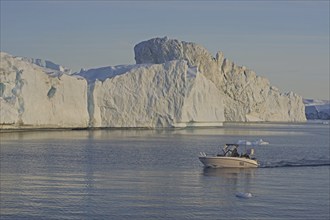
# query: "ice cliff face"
(159, 95)
(246, 96)
(34, 96)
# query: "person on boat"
(246, 156)
(235, 153)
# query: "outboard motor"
(250, 152)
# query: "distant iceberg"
(317, 109)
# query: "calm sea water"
(156, 174)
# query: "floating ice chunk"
(244, 142)
(243, 195)
(256, 142)
(260, 142)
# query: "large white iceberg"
(173, 84)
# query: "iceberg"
(317, 109)
(173, 84)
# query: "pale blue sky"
(285, 41)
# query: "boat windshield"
(230, 150)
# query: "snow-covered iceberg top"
(104, 73)
(161, 50)
(316, 102)
(49, 66)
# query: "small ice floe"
(243, 142)
(244, 195)
(253, 143)
(260, 142)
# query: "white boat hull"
(223, 162)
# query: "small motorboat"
(229, 158)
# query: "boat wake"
(298, 163)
